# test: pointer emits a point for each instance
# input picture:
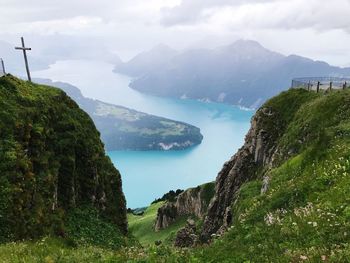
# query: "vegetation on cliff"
(52, 166)
(295, 205)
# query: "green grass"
(304, 216)
(54, 250)
(142, 227)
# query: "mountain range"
(243, 73)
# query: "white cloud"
(50, 27)
(192, 11)
(293, 14)
(315, 28)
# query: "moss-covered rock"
(51, 161)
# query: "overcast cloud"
(319, 29)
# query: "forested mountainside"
(126, 129)
(55, 178)
(243, 73)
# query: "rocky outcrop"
(186, 236)
(257, 152)
(193, 201)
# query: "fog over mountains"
(243, 73)
(48, 50)
(14, 62)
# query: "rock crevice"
(257, 152)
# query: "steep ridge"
(268, 144)
(52, 162)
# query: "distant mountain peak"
(247, 43)
(163, 47)
(243, 46)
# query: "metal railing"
(321, 83)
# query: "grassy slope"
(50, 250)
(305, 214)
(142, 227)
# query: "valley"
(283, 194)
(150, 174)
(174, 131)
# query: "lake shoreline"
(147, 175)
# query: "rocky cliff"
(51, 161)
(192, 202)
(260, 152)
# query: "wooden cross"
(24, 49)
(3, 66)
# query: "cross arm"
(23, 48)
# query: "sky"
(63, 29)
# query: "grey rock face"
(166, 215)
(258, 151)
(193, 201)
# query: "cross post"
(24, 49)
(3, 66)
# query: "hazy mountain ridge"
(243, 73)
(126, 129)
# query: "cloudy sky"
(319, 29)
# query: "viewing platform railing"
(321, 83)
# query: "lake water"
(149, 174)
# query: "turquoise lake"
(149, 174)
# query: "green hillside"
(305, 213)
(53, 168)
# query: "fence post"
(308, 86)
(330, 86)
(318, 86)
(344, 85)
